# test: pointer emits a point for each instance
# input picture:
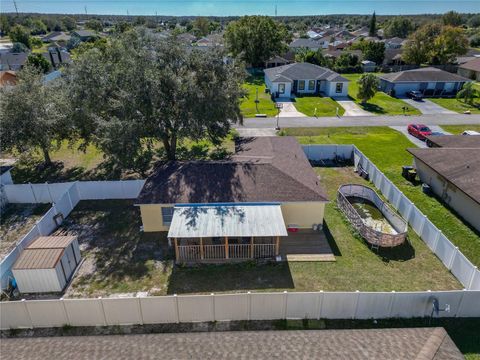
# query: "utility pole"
(16, 8)
(86, 13)
(275, 10)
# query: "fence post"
(139, 305)
(103, 311)
(213, 306)
(69, 200)
(65, 310)
(399, 198)
(177, 312)
(460, 304)
(470, 282)
(249, 305)
(437, 239)
(452, 259)
(49, 192)
(422, 226)
(33, 193)
(320, 304)
(356, 303)
(392, 302)
(28, 312)
(285, 299)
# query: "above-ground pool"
(376, 222)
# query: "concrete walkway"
(351, 107)
(428, 107)
(447, 119)
(288, 108)
(256, 132)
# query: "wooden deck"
(306, 245)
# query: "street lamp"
(279, 106)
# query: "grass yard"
(265, 105)
(71, 164)
(381, 103)
(458, 105)
(324, 106)
(119, 259)
(16, 221)
(458, 129)
(386, 148)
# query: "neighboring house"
(8, 78)
(368, 66)
(57, 57)
(310, 44)
(313, 35)
(305, 78)
(470, 69)
(56, 37)
(12, 61)
(394, 43)
(393, 57)
(336, 53)
(452, 169)
(362, 32)
(338, 45)
(430, 81)
(186, 38)
(84, 35)
(276, 61)
(245, 203)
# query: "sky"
(240, 7)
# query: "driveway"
(351, 107)
(413, 139)
(288, 108)
(428, 107)
(256, 132)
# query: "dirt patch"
(16, 221)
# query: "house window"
(167, 215)
(339, 88)
(311, 84)
(281, 88)
(301, 84)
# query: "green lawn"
(457, 105)
(386, 148)
(265, 105)
(458, 129)
(381, 103)
(325, 106)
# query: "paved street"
(446, 119)
(428, 107)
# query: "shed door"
(69, 261)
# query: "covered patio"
(226, 232)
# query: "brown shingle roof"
(423, 74)
(455, 141)
(473, 65)
(459, 166)
(38, 259)
(51, 242)
(266, 169)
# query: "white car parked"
(470, 132)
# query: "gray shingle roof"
(307, 43)
(302, 71)
(423, 74)
(414, 343)
(266, 169)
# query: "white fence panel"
(159, 309)
(193, 308)
(122, 311)
(304, 305)
(58, 189)
(21, 194)
(386, 188)
(74, 195)
(14, 315)
(64, 205)
(476, 281)
(445, 250)
(462, 269)
(373, 305)
(409, 305)
(404, 206)
(89, 190)
(46, 224)
(84, 312)
(339, 305)
(267, 306)
(232, 307)
(470, 305)
(430, 234)
(416, 220)
(100, 190)
(47, 313)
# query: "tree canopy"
(398, 27)
(255, 38)
(39, 62)
(367, 87)
(372, 30)
(20, 34)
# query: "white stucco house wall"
(305, 78)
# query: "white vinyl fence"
(64, 197)
(452, 258)
(229, 307)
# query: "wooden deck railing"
(193, 253)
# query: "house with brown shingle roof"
(470, 69)
(452, 170)
(237, 208)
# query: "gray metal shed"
(47, 264)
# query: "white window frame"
(311, 82)
(338, 89)
(300, 87)
(281, 88)
(167, 215)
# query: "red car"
(419, 131)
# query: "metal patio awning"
(227, 221)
